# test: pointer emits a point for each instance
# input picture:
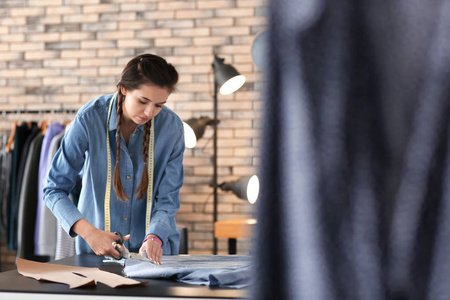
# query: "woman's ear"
(123, 90)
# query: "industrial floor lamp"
(227, 80)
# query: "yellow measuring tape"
(150, 174)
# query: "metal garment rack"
(39, 112)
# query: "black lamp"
(194, 128)
(246, 188)
(226, 80)
(226, 76)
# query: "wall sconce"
(246, 188)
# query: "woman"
(144, 147)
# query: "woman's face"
(143, 104)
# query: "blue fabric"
(232, 271)
(355, 152)
(83, 148)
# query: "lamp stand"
(224, 76)
(215, 166)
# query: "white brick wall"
(65, 45)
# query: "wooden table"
(234, 229)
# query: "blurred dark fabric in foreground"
(354, 200)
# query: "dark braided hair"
(142, 69)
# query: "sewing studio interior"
(224, 149)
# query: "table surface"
(12, 281)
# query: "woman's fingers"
(102, 243)
(126, 237)
(152, 250)
(155, 253)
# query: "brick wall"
(58, 54)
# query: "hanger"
(11, 137)
(44, 126)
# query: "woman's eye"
(142, 102)
(159, 105)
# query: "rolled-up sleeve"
(61, 178)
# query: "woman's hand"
(101, 242)
(152, 249)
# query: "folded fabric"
(232, 271)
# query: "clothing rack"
(7, 117)
(53, 111)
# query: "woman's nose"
(149, 111)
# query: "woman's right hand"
(101, 242)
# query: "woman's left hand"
(152, 249)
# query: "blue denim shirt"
(83, 150)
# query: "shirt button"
(125, 219)
(128, 176)
(134, 134)
(131, 154)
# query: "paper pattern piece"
(73, 276)
(233, 271)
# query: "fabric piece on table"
(214, 270)
(70, 275)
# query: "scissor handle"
(119, 242)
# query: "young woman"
(129, 149)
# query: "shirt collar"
(113, 119)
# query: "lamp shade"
(194, 129)
(227, 77)
(246, 188)
(260, 49)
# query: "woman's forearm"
(83, 228)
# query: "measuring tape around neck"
(149, 170)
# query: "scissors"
(125, 253)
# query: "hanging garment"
(45, 229)
(5, 171)
(354, 200)
(232, 271)
(22, 139)
(28, 201)
(18, 139)
(65, 245)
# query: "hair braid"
(117, 182)
(143, 185)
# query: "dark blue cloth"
(354, 200)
